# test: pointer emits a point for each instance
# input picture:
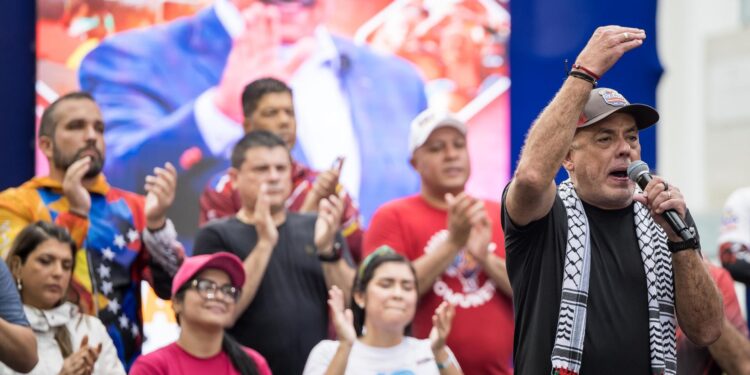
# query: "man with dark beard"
(123, 238)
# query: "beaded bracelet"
(586, 70)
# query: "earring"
(18, 284)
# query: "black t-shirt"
(617, 336)
(288, 315)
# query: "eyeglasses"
(207, 289)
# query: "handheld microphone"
(638, 172)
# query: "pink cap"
(223, 261)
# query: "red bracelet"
(587, 71)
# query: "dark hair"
(365, 273)
(29, 240)
(48, 121)
(255, 90)
(236, 353)
(253, 139)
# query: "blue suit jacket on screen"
(146, 82)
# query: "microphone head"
(636, 168)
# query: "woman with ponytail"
(373, 336)
(42, 259)
(204, 296)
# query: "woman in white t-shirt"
(372, 336)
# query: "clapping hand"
(263, 220)
(329, 217)
(160, 191)
(78, 197)
(480, 237)
(343, 319)
(82, 361)
(325, 185)
(442, 321)
(463, 213)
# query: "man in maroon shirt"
(731, 352)
(267, 105)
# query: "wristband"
(334, 256)
(583, 76)
(449, 361)
(675, 247)
(586, 70)
(445, 364)
(691, 243)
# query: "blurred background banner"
(457, 49)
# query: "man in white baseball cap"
(456, 244)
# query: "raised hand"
(79, 200)
(256, 54)
(263, 220)
(442, 321)
(342, 318)
(160, 189)
(607, 45)
(329, 217)
(82, 361)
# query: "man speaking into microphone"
(600, 279)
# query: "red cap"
(223, 261)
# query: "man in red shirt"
(267, 105)
(456, 244)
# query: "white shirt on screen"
(324, 124)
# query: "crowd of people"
(582, 277)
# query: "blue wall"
(546, 32)
(17, 68)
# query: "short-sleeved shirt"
(695, 360)
(411, 356)
(221, 199)
(174, 360)
(11, 309)
(617, 334)
(289, 314)
(481, 335)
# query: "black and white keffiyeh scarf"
(571, 325)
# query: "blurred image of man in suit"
(172, 93)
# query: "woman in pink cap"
(204, 293)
